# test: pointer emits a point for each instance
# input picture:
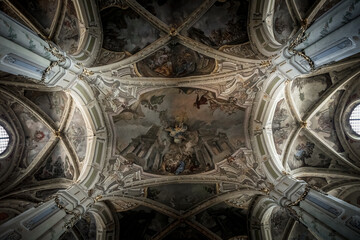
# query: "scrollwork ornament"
(55, 52)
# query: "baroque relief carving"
(244, 168)
(116, 93)
(118, 173)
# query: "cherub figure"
(177, 132)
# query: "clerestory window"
(355, 119)
(4, 139)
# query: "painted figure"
(177, 132)
(200, 101)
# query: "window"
(355, 119)
(4, 139)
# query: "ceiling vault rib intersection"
(204, 230)
(166, 230)
(195, 16)
(37, 161)
(327, 95)
(143, 53)
(313, 136)
(156, 22)
(31, 107)
(231, 75)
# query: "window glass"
(4, 139)
(355, 119)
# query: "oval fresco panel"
(179, 131)
(175, 60)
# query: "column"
(51, 219)
(324, 215)
(22, 52)
(331, 38)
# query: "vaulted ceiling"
(179, 84)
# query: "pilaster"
(324, 215)
(329, 39)
(51, 219)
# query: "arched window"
(4, 139)
(355, 119)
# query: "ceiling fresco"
(125, 31)
(307, 91)
(282, 125)
(108, 57)
(283, 22)
(225, 23)
(52, 103)
(181, 196)
(306, 153)
(354, 197)
(9, 11)
(84, 229)
(224, 220)
(77, 134)
(328, 4)
(141, 223)
(11, 209)
(323, 123)
(304, 6)
(43, 11)
(37, 135)
(279, 220)
(175, 60)
(300, 231)
(69, 36)
(87, 227)
(177, 162)
(243, 50)
(173, 13)
(6, 214)
(185, 232)
(56, 166)
(179, 131)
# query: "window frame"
(356, 120)
(6, 125)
